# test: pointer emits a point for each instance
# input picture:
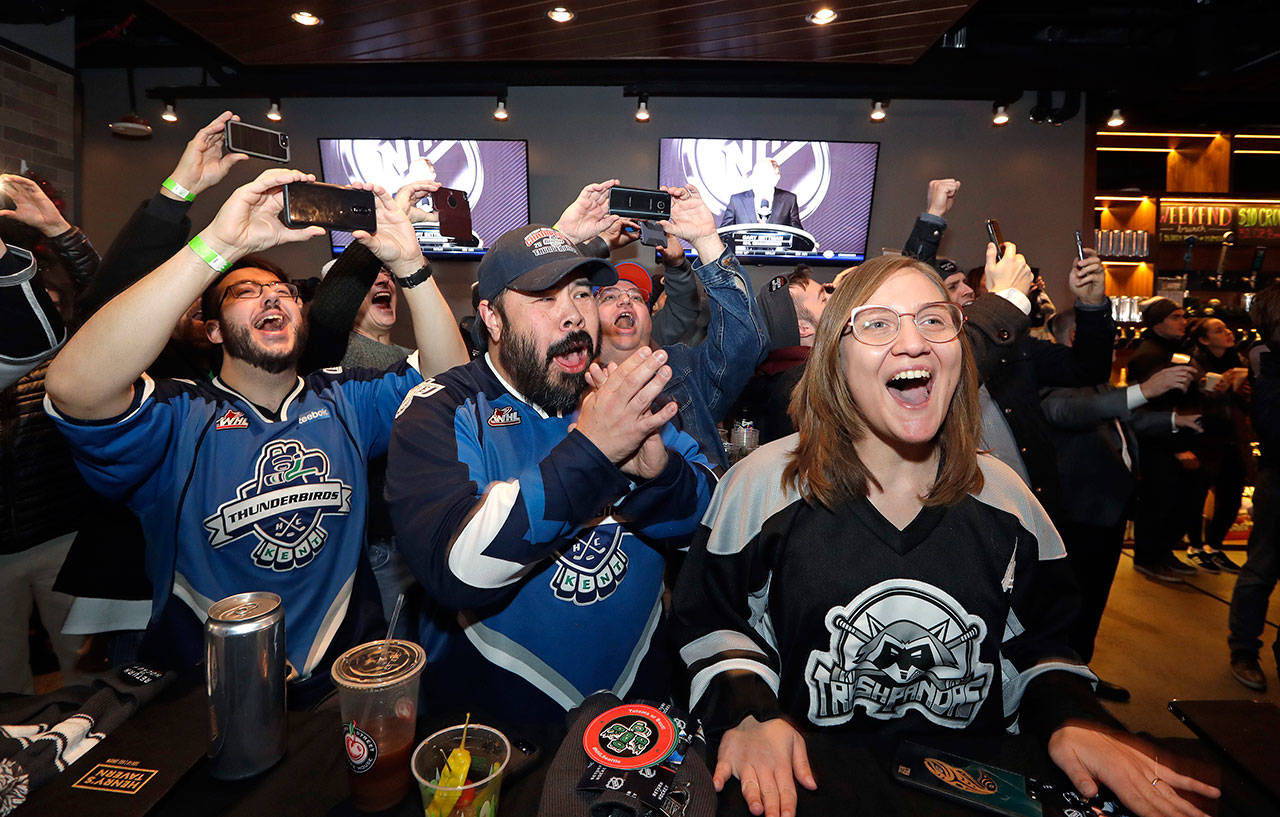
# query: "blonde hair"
(825, 467)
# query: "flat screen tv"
(780, 201)
(494, 173)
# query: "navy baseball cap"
(537, 257)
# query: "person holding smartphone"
(256, 479)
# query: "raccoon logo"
(901, 645)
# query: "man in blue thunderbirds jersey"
(537, 495)
(255, 481)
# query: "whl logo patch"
(234, 418)
(283, 506)
(593, 567)
(504, 416)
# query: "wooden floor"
(1166, 641)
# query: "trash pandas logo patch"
(901, 645)
(283, 505)
(593, 567)
(504, 416)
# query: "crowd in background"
(542, 467)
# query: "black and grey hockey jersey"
(839, 619)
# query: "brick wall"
(37, 121)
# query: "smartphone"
(255, 141)
(638, 203)
(328, 205)
(1079, 246)
(455, 214)
(996, 237)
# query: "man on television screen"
(765, 202)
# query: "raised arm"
(34, 209)
(92, 378)
(736, 336)
(440, 345)
(160, 227)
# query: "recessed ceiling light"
(305, 18)
(560, 14)
(822, 16)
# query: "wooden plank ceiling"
(371, 31)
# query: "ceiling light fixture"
(878, 113)
(131, 126)
(560, 14)
(500, 112)
(999, 115)
(822, 17)
(305, 18)
(1116, 119)
(642, 108)
(169, 115)
(273, 113)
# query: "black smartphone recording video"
(309, 204)
(638, 203)
(996, 237)
(255, 141)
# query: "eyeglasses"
(244, 290)
(610, 295)
(879, 325)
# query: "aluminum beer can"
(245, 681)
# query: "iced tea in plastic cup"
(378, 696)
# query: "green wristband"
(178, 190)
(209, 255)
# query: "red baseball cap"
(638, 275)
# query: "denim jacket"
(706, 379)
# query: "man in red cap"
(705, 379)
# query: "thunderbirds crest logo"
(283, 505)
(901, 645)
(593, 567)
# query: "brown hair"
(825, 467)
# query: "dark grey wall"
(1029, 176)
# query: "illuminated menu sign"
(1254, 223)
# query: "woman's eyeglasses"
(879, 325)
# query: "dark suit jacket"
(742, 209)
(1097, 486)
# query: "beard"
(238, 342)
(536, 376)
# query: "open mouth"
(911, 387)
(625, 321)
(382, 299)
(572, 354)
(273, 321)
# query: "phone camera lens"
(284, 140)
(662, 205)
(453, 201)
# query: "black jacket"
(1014, 367)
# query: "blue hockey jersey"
(234, 498)
(553, 555)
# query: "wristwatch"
(411, 281)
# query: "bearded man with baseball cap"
(536, 496)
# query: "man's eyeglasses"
(244, 290)
(879, 325)
(612, 295)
